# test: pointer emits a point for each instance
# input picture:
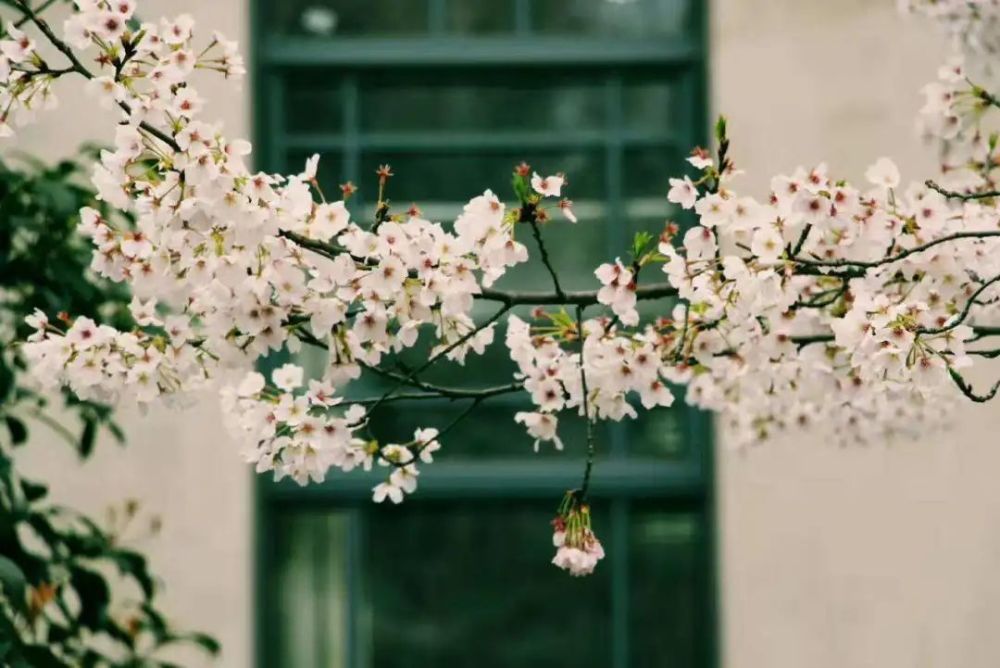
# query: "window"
(452, 94)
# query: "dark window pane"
(479, 17)
(648, 172)
(471, 585)
(309, 586)
(651, 107)
(667, 590)
(661, 432)
(327, 18)
(444, 583)
(624, 18)
(493, 102)
(310, 108)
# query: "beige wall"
(884, 556)
(181, 465)
(877, 557)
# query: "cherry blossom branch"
(571, 298)
(81, 69)
(446, 392)
(32, 15)
(824, 298)
(558, 297)
(967, 390)
(983, 332)
(803, 341)
(952, 194)
(964, 313)
(872, 264)
(431, 390)
(412, 375)
(418, 396)
(327, 250)
(253, 285)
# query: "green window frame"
(624, 480)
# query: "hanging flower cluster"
(852, 309)
(577, 548)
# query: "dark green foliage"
(70, 594)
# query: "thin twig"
(458, 418)
(964, 313)
(588, 469)
(544, 254)
(571, 298)
(409, 377)
(446, 392)
(679, 353)
(38, 10)
(965, 197)
(323, 248)
(32, 16)
(859, 264)
(802, 240)
(412, 396)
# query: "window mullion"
(350, 98)
(358, 626)
(437, 16)
(522, 18)
(320, 572)
(275, 154)
(619, 563)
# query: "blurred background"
(795, 553)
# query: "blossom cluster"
(23, 89)
(577, 548)
(614, 364)
(290, 427)
(820, 258)
(972, 23)
(222, 260)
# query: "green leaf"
(720, 129)
(18, 431)
(134, 564)
(640, 242)
(117, 432)
(13, 583)
(203, 640)
(36, 656)
(522, 188)
(206, 642)
(6, 378)
(94, 596)
(33, 491)
(88, 437)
